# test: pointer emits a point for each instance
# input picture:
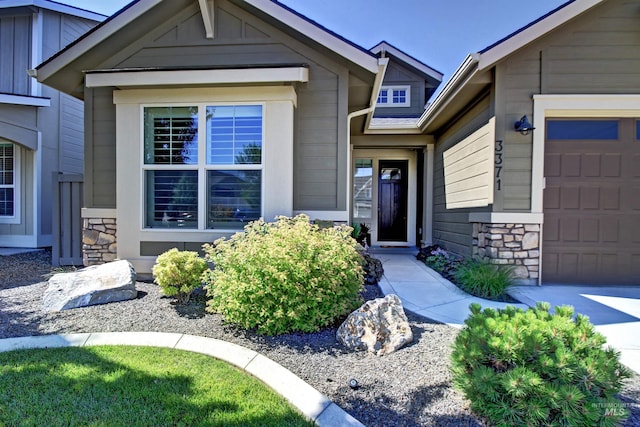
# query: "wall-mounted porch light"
(523, 126)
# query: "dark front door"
(392, 200)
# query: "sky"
(440, 33)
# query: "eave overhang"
(73, 59)
(30, 101)
(94, 37)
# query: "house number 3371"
(498, 164)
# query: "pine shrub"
(536, 368)
(284, 276)
(482, 278)
(179, 273)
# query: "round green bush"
(537, 368)
(179, 273)
(284, 276)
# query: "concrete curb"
(310, 402)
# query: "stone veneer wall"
(510, 244)
(99, 244)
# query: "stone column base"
(99, 244)
(510, 244)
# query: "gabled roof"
(137, 8)
(494, 53)
(383, 48)
(54, 6)
(474, 68)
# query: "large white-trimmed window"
(202, 166)
(394, 96)
(8, 180)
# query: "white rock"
(98, 284)
(379, 326)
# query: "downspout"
(377, 84)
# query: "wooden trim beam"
(207, 9)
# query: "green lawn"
(133, 386)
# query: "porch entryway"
(384, 196)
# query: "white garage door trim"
(593, 106)
(559, 106)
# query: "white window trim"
(202, 167)
(17, 162)
(390, 103)
(278, 116)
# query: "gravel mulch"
(411, 387)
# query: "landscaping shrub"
(438, 259)
(361, 233)
(535, 368)
(482, 278)
(284, 276)
(179, 273)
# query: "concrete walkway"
(614, 310)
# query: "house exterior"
(202, 115)
(41, 129)
(560, 202)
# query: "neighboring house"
(202, 115)
(41, 130)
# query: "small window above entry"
(394, 96)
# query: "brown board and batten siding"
(243, 39)
(451, 227)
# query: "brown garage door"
(592, 202)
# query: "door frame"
(389, 154)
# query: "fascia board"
(522, 38)
(93, 38)
(462, 75)
(31, 101)
(408, 59)
(56, 7)
(194, 77)
(365, 60)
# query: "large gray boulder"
(98, 284)
(379, 326)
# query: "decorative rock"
(372, 269)
(379, 326)
(93, 285)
